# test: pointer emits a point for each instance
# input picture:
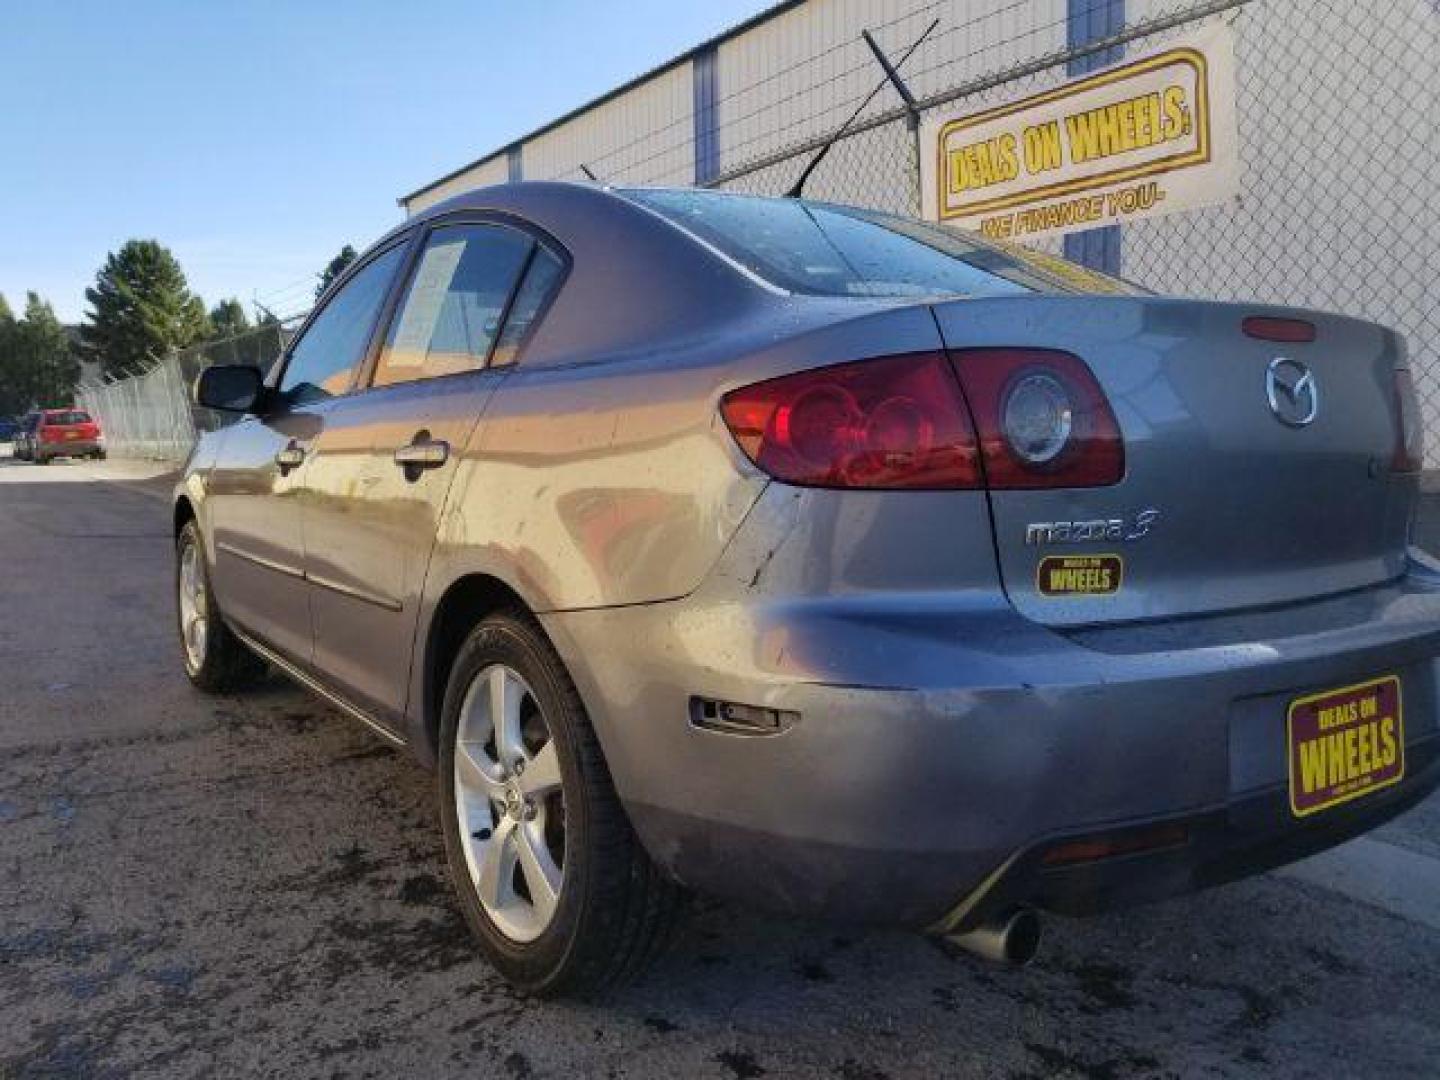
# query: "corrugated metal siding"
(644, 136)
(494, 170)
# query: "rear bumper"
(1249, 835)
(943, 744)
(70, 448)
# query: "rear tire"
(601, 911)
(215, 660)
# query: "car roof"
(616, 246)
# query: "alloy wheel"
(509, 803)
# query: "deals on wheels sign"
(1151, 136)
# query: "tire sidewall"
(201, 675)
(533, 966)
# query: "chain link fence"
(149, 414)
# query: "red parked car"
(65, 433)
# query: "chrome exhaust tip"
(1012, 938)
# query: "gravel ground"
(255, 886)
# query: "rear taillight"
(1410, 428)
(1043, 420)
(1039, 420)
(897, 422)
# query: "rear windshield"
(55, 419)
(830, 250)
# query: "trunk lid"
(1222, 505)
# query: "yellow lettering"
(1176, 116)
(1363, 739)
(1335, 758)
(1312, 765)
(1387, 741)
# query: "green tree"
(141, 308)
(228, 319)
(47, 365)
(334, 269)
(11, 400)
(234, 340)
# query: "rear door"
(383, 465)
(1255, 471)
(254, 489)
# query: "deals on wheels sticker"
(1151, 136)
(1079, 575)
(1345, 743)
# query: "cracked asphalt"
(255, 886)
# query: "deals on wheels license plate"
(1344, 743)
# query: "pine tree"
(47, 365)
(11, 400)
(142, 308)
(228, 320)
(334, 269)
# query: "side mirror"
(229, 387)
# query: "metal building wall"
(644, 133)
(493, 170)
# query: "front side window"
(451, 314)
(323, 362)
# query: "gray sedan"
(823, 558)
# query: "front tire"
(550, 875)
(215, 660)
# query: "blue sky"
(254, 138)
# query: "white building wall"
(494, 170)
(644, 136)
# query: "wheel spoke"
(542, 773)
(471, 772)
(497, 866)
(541, 873)
(506, 696)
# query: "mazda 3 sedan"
(830, 560)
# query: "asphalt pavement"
(255, 886)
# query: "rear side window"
(830, 250)
(541, 277)
(323, 362)
(450, 317)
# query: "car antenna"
(892, 77)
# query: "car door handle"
(292, 457)
(429, 454)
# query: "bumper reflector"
(1093, 849)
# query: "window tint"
(324, 360)
(60, 418)
(843, 251)
(453, 306)
(540, 280)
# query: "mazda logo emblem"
(1290, 388)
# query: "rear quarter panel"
(616, 481)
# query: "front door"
(382, 467)
(256, 486)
